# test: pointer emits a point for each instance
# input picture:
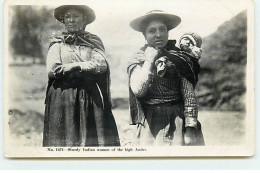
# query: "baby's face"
(186, 42)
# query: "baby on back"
(189, 43)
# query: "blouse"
(61, 57)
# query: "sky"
(113, 16)
(200, 16)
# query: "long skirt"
(78, 116)
(164, 125)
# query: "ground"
(25, 109)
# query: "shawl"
(93, 41)
(184, 63)
(84, 39)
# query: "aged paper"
(225, 89)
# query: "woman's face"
(156, 34)
(74, 21)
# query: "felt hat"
(85, 10)
(170, 20)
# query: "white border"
(226, 151)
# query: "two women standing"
(78, 104)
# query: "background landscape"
(221, 89)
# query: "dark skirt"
(77, 114)
(164, 125)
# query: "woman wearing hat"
(163, 106)
(78, 108)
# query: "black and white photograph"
(118, 78)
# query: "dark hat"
(170, 20)
(60, 11)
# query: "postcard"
(115, 78)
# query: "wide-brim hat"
(170, 20)
(85, 10)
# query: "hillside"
(222, 79)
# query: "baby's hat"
(195, 38)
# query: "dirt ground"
(26, 106)
(219, 128)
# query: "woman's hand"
(151, 54)
(189, 136)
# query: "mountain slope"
(222, 79)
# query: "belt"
(167, 103)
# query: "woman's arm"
(140, 78)
(97, 64)
(53, 62)
(54, 66)
(190, 104)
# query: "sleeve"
(190, 104)
(97, 64)
(53, 62)
(140, 79)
